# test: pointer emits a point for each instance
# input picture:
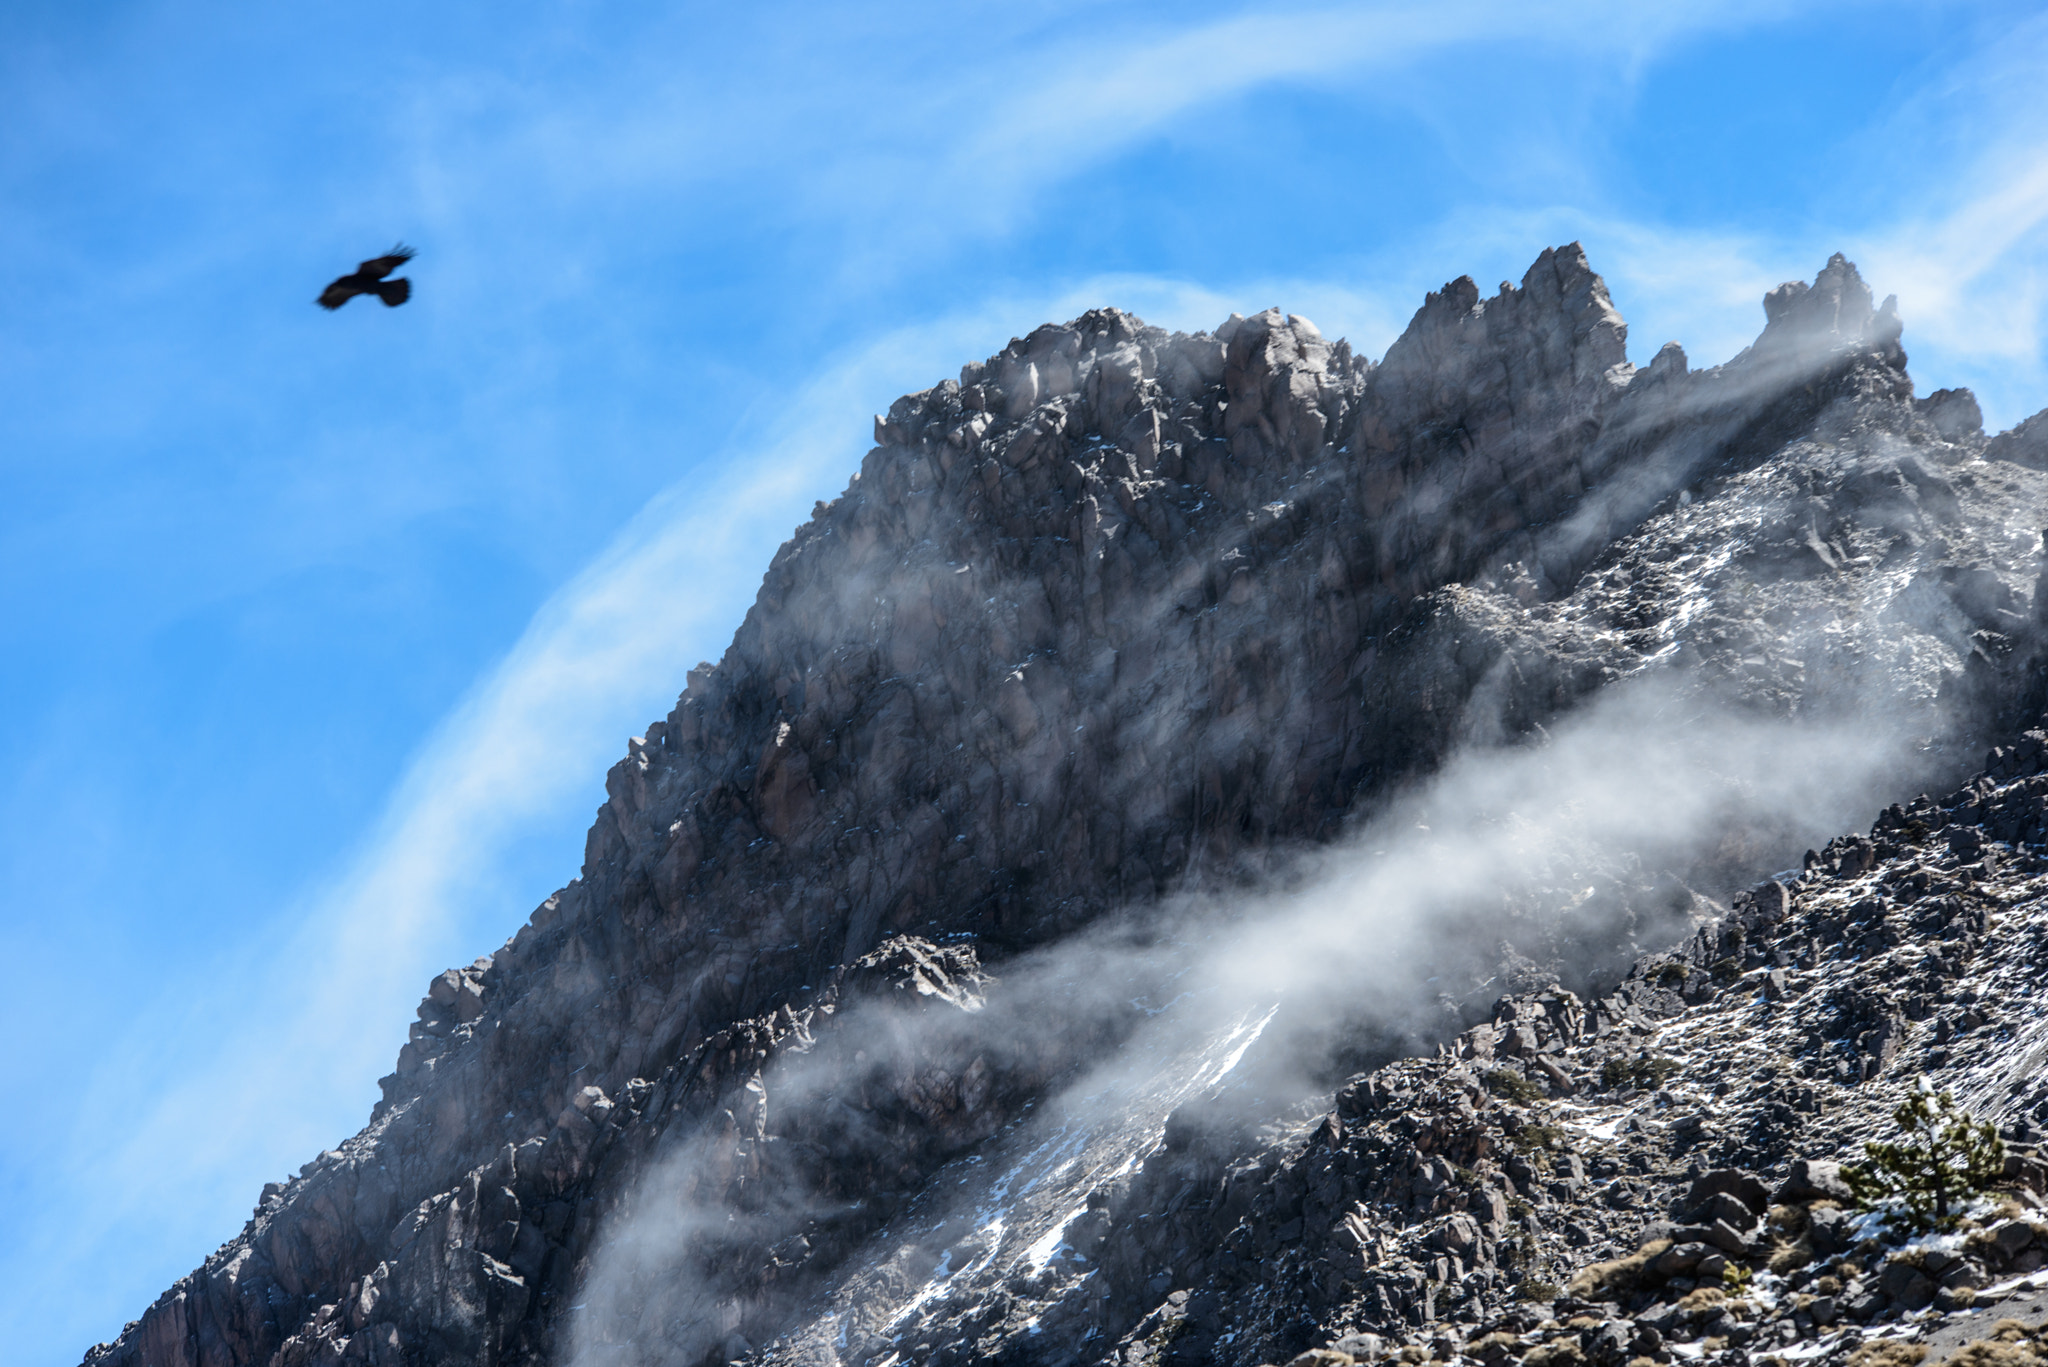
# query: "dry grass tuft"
(1556, 1353)
(1495, 1346)
(1789, 1255)
(1787, 1222)
(2011, 1344)
(1994, 1353)
(1616, 1278)
(1888, 1353)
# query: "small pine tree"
(1942, 1154)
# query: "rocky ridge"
(1654, 1174)
(1117, 609)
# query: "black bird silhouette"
(369, 279)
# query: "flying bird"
(369, 279)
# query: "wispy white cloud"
(1968, 255)
(1073, 106)
(905, 138)
(1122, 87)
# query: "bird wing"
(339, 293)
(379, 267)
(394, 292)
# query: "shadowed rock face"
(1116, 608)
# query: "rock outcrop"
(1117, 610)
(1642, 1175)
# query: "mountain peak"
(1835, 311)
(1118, 625)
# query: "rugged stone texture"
(1116, 609)
(2026, 444)
(1596, 1192)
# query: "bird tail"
(394, 292)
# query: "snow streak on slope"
(1004, 1214)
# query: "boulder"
(1728, 1209)
(1680, 1259)
(1907, 1285)
(1830, 1229)
(1813, 1179)
(1731, 1182)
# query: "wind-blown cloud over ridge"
(1419, 906)
(1504, 850)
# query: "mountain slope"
(1118, 613)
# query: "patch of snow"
(1049, 1243)
(1243, 1038)
(2026, 1281)
(1806, 1352)
(1602, 1130)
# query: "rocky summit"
(1215, 849)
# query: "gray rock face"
(1439, 1197)
(1812, 1179)
(2026, 444)
(1116, 609)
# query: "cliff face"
(1117, 609)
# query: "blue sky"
(321, 629)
